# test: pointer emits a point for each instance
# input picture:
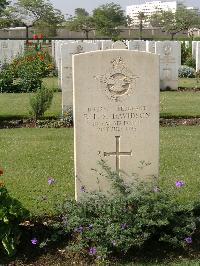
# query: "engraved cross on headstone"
(118, 153)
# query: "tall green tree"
(81, 12)
(82, 21)
(3, 5)
(173, 23)
(4, 17)
(108, 18)
(38, 12)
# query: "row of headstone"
(62, 51)
(10, 49)
(116, 102)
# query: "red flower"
(1, 171)
(35, 37)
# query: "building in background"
(148, 9)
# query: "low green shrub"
(186, 72)
(186, 56)
(7, 80)
(190, 62)
(40, 60)
(26, 72)
(41, 101)
(30, 77)
(11, 215)
(102, 226)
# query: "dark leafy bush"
(186, 56)
(126, 220)
(11, 215)
(40, 60)
(30, 77)
(31, 68)
(25, 73)
(186, 72)
(185, 52)
(190, 61)
(7, 80)
(41, 101)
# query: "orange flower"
(1, 171)
(41, 57)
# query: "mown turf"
(172, 104)
(179, 104)
(179, 159)
(189, 83)
(17, 106)
(30, 156)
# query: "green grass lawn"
(179, 104)
(188, 83)
(16, 106)
(30, 156)
(173, 104)
(51, 82)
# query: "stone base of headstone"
(171, 85)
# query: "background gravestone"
(10, 49)
(67, 50)
(170, 58)
(119, 45)
(137, 45)
(198, 56)
(106, 45)
(194, 46)
(187, 44)
(150, 46)
(116, 115)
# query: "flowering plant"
(134, 216)
(11, 215)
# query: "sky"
(68, 6)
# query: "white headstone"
(137, 45)
(119, 45)
(106, 45)
(169, 52)
(10, 49)
(194, 46)
(116, 116)
(67, 50)
(198, 56)
(187, 44)
(150, 46)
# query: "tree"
(129, 24)
(38, 12)
(173, 23)
(141, 18)
(7, 18)
(3, 5)
(81, 12)
(82, 21)
(108, 18)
